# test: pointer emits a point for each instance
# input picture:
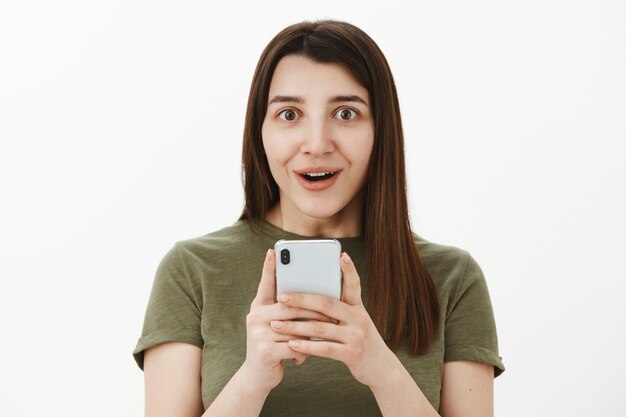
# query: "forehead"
(301, 76)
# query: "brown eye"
(346, 114)
(288, 115)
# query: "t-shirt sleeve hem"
(475, 353)
(153, 339)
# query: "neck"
(345, 223)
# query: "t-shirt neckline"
(278, 233)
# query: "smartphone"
(309, 266)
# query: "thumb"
(351, 282)
(267, 285)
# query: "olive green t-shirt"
(202, 293)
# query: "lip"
(318, 169)
(317, 185)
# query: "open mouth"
(317, 176)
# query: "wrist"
(394, 372)
(251, 384)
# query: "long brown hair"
(402, 299)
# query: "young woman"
(414, 332)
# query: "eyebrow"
(300, 100)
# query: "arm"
(397, 394)
(467, 391)
(355, 341)
(467, 388)
(172, 380)
(173, 370)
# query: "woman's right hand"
(265, 349)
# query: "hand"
(354, 340)
(266, 349)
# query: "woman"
(414, 333)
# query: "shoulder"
(188, 253)
(449, 267)
(442, 259)
(222, 240)
(220, 249)
(231, 235)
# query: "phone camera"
(284, 256)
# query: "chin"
(320, 211)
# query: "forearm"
(229, 401)
(398, 395)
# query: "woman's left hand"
(354, 340)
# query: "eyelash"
(356, 114)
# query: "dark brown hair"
(402, 299)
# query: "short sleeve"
(470, 329)
(174, 307)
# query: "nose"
(318, 139)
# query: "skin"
(318, 135)
(313, 130)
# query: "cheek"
(278, 142)
(269, 144)
(276, 152)
(358, 149)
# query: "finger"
(284, 338)
(284, 312)
(282, 351)
(351, 282)
(324, 349)
(328, 306)
(311, 329)
(267, 285)
(299, 362)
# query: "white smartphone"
(309, 266)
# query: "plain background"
(121, 125)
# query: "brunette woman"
(414, 333)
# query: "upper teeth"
(317, 174)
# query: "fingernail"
(283, 297)
(277, 324)
(268, 254)
(293, 343)
(346, 258)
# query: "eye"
(288, 115)
(346, 114)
